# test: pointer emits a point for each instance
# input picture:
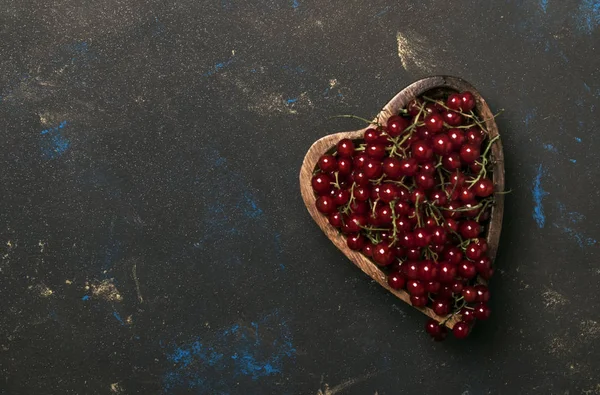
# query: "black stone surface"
(152, 235)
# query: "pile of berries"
(415, 197)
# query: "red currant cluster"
(414, 196)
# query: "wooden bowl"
(431, 86)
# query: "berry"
(473, 251)
(415, 288)
(474, 136)
(418, 301)
(427, 271)
(387, 192)
(467, 315)
(344, 166)
(367, 249)
(457, 138)
(422, 151)
(468, 101)
(422, 237)
(396, 125)
(411, 270)
(469, 153)
(375, 150)
(453, 255)
(451, 162)
(392, 168)
(355, 242)
(396, 280)
(434, 122)
(482, 311)
(446, 272)
(435, 330)
(484, 187)
(335, 219)
(454, 101)
(467, 270)
(325, 205)
(441, 307)
(321, 184)
(373, 169)
(469, 229)
(414, 107)
(327, 163)
(345, 148)
(453, 118)
(469, 294)
(442, 144)
(461, 330)
(409, 167)
(383, 255)
(482, 293)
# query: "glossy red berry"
(482, 311)
(451, 162)
(467, 270)
(392, 168)
(427, 271)
(453, 118)
(469, 294)
(467, 315)
(446, 272)
(321, 184)
(457, 138)
(461, 330)
(453, 255)
(441, 306)
(482, 293)
(335, 219)
(421, 150)
(383, 255)
(355, 242)
(345, 148)
(327, 163)
(468, 101)
(469, 153)
(435, 330)
(415, 287)
(325, 205)
(484, 187)
(469, 229)
(411, 270)
(473, 251)
(409, 167)
(454, 101)
(418, 301)
(396, 280)
(373, 169)
(396, 125)
(474, 136)
(442, 144)
(434, 122)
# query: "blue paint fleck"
(253, 70)
(571, 216)
(85, 297)
(219, 66)
(294, 100)
(544, 5)
(295, 4)
(383, 12)
(538, 196)
(581, 240)
(53, 144)
(550, 147)
(587, 87)
(573, 160)
(222, 362)
(118, 317)
(297, 69)
(578, 139)
(250, 206)
(530, 116)
(588, 17)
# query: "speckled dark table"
(152, 235)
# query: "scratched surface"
(152, 235)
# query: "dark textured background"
(152, 235)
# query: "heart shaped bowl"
(435, 87)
